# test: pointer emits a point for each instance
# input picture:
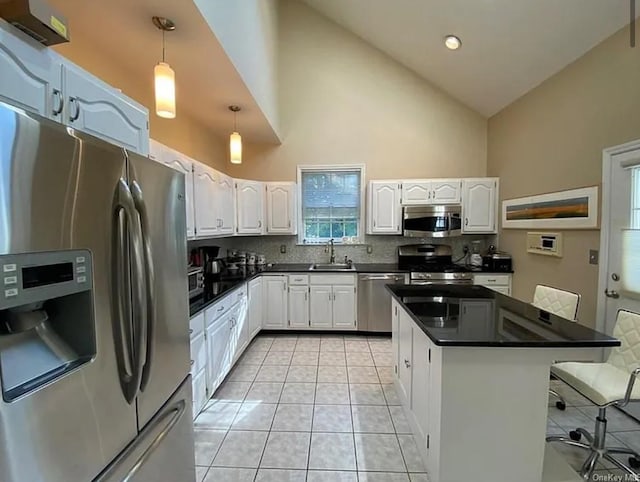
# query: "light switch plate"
(369, 249)
(283, 248)
(593, 256)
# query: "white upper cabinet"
(225, 204)
(446, 191)
(30, 74)
(183, 164)
(440, 191)
(249, 207)
(100, 110)
(205, 183)
(479, 205)
(281, 207)
(384, 210)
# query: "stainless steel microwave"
(438, 221)
(195, 275)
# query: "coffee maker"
(207, 257)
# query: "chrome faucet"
(332, 258)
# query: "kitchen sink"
(331, 267)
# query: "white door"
(619, 283)
(183, 164)
(420, 392)
(281, 208)
(219, 337)
(255, 307)
(225, 204)
(395, 313)
(31, 75)
(384, 207)
(321, 306)
(299, 306)
(446, 191)
(405, 358)
(249, 207)
(344, 306)
(479, 205)
(205, 183)
(416, 192)
(275, 302)
(100, 110)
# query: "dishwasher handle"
(382, 277)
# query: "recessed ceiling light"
(452, 42)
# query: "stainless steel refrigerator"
(94, 343)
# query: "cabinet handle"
(74, 101)
(289, 223)
(220, 309)
(259, 224)
(491, 281)
(466, 221)
(305, 296)
(192, 362)
(57, 95)
(190, 331)
(406, 363)
(374, 223)
(429, 195)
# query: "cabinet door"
(321, 306)
(416, 192)
(205, 183)
(420, 382)
(281, 208)
(239, 319)
(100, 110)
(275, 302)
(198, 349)
(219, 338)
(299, 306)
(405, 342)
(255, 307)
(183, 164)
(384, 208)
(344, 306)
(446, 191)
(31, 75)
(249, 207)
(225, 204)
(395, 313)
(199, 387)
(479, 201)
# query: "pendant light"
(164, 76)
(235, 139)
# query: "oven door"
(431, 221)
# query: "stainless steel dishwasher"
(374, 301)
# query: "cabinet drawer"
(196, 325)
(491, 279)
(222, 307)
(332, 279)
(298, 279)
(198, 349)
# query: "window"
(331, 204)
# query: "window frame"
(335, 168)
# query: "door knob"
(406, 363)
(611, 294)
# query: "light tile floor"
(321, 408)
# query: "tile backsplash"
(383, 248)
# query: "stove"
(432, 264)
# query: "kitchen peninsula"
(472, 365)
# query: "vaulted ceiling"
(508, 46)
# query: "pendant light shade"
(165, 82)
(164, 76)
(235, 139)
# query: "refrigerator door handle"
(127, 204)
(149, 274)
(171, 417)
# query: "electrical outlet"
(593, 256)
(465, 249)
(369, 249)
(283, 248)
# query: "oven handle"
(442, 282)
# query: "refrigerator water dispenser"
(47, 326)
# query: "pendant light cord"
(235, 118)
(163, 32)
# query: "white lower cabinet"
(497, 282)
(240, 322)
(275, 302)
(199, 386)
(320, 306)
(219, 339)
(254, 317)
(298, 306)
(405, 350)
(344, 306)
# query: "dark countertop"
(453, 315)
(230, 280)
